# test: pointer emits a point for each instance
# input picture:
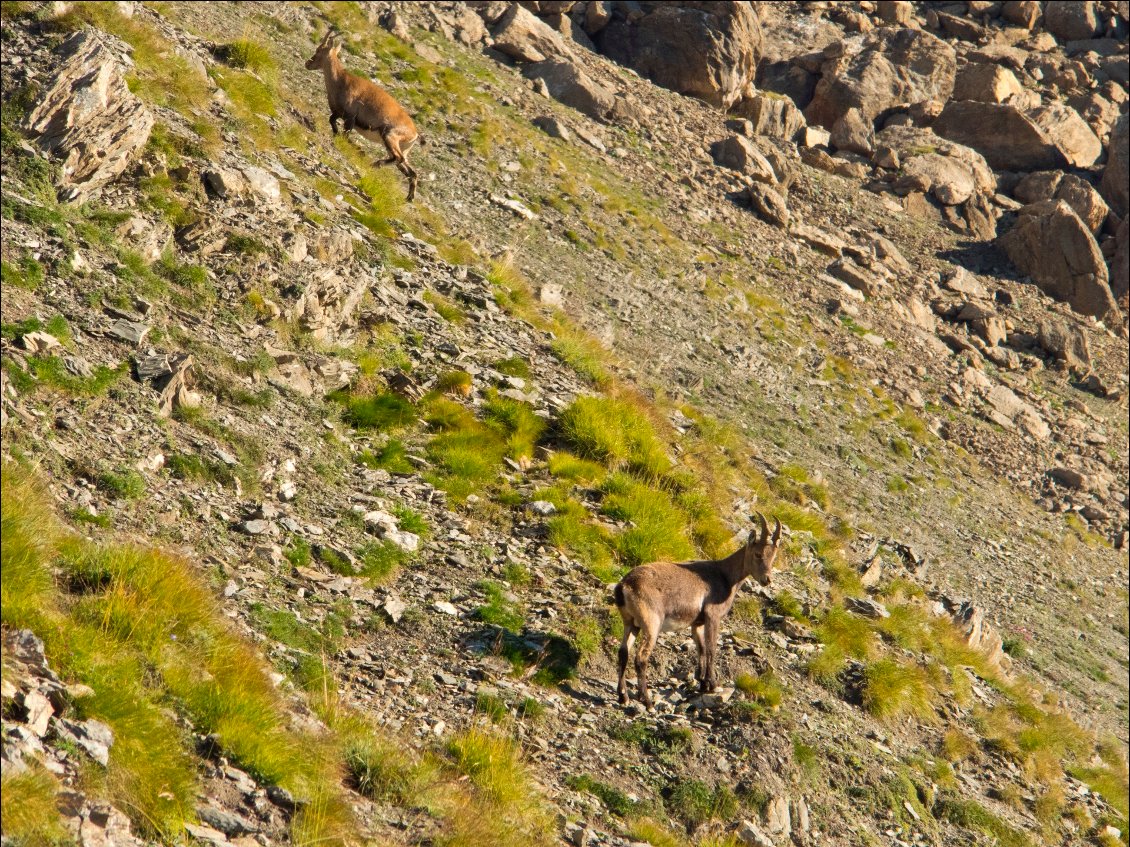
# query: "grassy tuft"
(247, 54)
(27, 806)
(657, 528)
(892, 688)
(382, 412)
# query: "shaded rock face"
(1053, 246)
(1075, 192)
(894, 67)
(707, 50)
(87, 116)
(1116, 174)
(1120, 265)
(1045, 138)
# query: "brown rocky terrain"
(861, 266)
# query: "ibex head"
(761, 551)
(327, 51)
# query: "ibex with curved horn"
(664, 596)
(364, 105)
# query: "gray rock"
(769, 204)
(866, 607)
(228, 823)
(131, 332)
(568, 84)
(94, 737)
(86, 115)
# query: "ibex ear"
(777, 532)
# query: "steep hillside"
(313, 498)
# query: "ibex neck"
(734, 566)
(334, 71)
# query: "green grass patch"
(28, 806)
(385, 412)
(972, 816)
(565, 465)
(499, 609)
(657, 529)
(379, 561)
(615, 800)
(391, 456)
(615, 432)
(247, 54)
(513, 366)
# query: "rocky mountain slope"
(313, 498)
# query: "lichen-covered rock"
(87, 117)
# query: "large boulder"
(1077, 193)
(1116, 174)
(87, 116)
(1044, 138)
(707, 50)
(741, 154)
(951, 172)
(1072, 20)
(988, 83)
(1055, 248)
(573, 87)
(773, 116)
(1120, 264)
(894, 67)
(522, 36)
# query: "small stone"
(257, 526)
(752, 836)
(131, 332)
(281, 797)
(226, 822)
(39, 711)
(394, 607)
(866, 607)
(95, 737)
(205, 833)
(543, 508)
(445, 608)
(38, 342)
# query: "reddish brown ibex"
(364, 105)
(667, 595)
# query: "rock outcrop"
(708, 50)
(1116, 174)
(1055, 248)
(87, 117)
(1043, 138)
(894, 67)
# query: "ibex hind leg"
(700, 670)
(396, 154)
(626, 643)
